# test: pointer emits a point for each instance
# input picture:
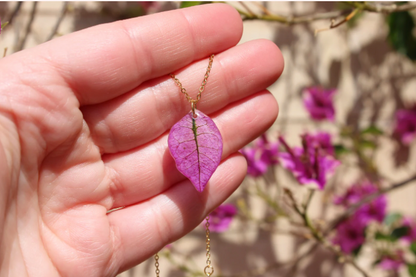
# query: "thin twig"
(59, 21)
(15, 12)
(308, 200)
(290, 20)
(22, 42)
(247, 8)
(333, 25)
(364, 201)
(263, 8)
(382, 8)
(321, 239)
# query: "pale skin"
(84, 120)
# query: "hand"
(84, 122)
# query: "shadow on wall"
(379, 74)
(4, 10)
(113, 11)
(366, 66)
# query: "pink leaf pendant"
(196, 146)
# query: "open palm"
(83, 130)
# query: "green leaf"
(381, 236)
(340, 149)
(4, 24)
(413, 247)
(186, 4)
(412, 269)
(401, 38)
(392, 218)
(367, 144)
(372, 130)
(400, 232)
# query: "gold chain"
(202, 87)
(209, 269)
(157, 271)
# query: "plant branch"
(366, 200)
(321, 239)
(250, 12)
(335, 25)
(308, 200)
(382, 8)
(59, 21)
(290, 20)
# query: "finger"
(123, 123)
(150, 170)
(104, 61)
(143, 229)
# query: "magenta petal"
(196, 146)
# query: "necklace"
(195, 144)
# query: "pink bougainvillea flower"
(260, 156)
(373, 211)
(392, 262)
(319, 103)
(411, 235)
(269, 150)
(255, 166)
(406, 125)
(220, 219)
(355, 193)
(149, 6)
(320, 140)
(350, 235)
(309, 165)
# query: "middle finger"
(150, 110)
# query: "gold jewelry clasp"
(193, 106)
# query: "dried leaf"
(196, 146)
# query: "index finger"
(105, 61)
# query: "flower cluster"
(313, 163)
(319, 103)
(405, 127)
(392, 261)
(260, 156)
(350, 234)
(221, 218)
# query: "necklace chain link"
(157, 271)
(201, 88)
(209, 269)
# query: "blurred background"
(367, 59)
